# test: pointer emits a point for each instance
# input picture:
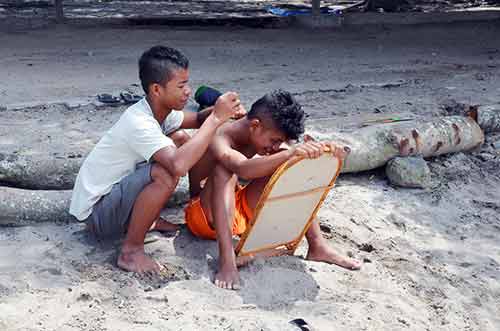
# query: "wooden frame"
(288, 247)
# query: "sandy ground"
(432, 256)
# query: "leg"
(218, 202)
(321, 252)
(180, 137)
(145, 211)
(198, 172)
(254, 190)
(318, 247)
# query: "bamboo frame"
(290, 246)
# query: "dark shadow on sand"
(272, 284)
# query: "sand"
(431, 256)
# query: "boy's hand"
(308, 150)
(241, 112)
(226, 106)
(339, 151)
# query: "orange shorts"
(197, 223)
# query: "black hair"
(284, 111)
(157, 64)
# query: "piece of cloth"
(133, 139)
(197, 222)
(111, 214)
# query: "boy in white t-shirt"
(130, 174)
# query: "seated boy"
(133, 170)
(222, 208)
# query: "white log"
(373, 146)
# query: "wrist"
(291, 152)
(216, 120)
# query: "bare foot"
(228, 276)
(136, 260)
(326, 254)
(163, 226)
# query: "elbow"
(242, 174)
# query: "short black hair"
(285, 112)
(157, 64)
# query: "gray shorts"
(111, 214)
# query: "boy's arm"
(261, 166)
(194, 120)
(179, 161)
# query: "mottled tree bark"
(373, 146)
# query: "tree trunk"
(373, 146)
(20, 207)
(38, 173)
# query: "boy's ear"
(154, 89)
(255, 123)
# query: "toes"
(220, 284)
(356, 265)
(236, 286)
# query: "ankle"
(317, 248)
(128, 249)
(227, 261)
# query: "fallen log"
(373, 146)
(37, 172)
(22, 207)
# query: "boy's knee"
(180, 137)
(163, 178)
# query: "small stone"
(486, 157)
(496, 144)
(84, 297)
(408, 172)
(365, 247)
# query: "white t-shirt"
(133, 139)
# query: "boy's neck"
(159, 113)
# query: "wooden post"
(316, 8)
(59, 11)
